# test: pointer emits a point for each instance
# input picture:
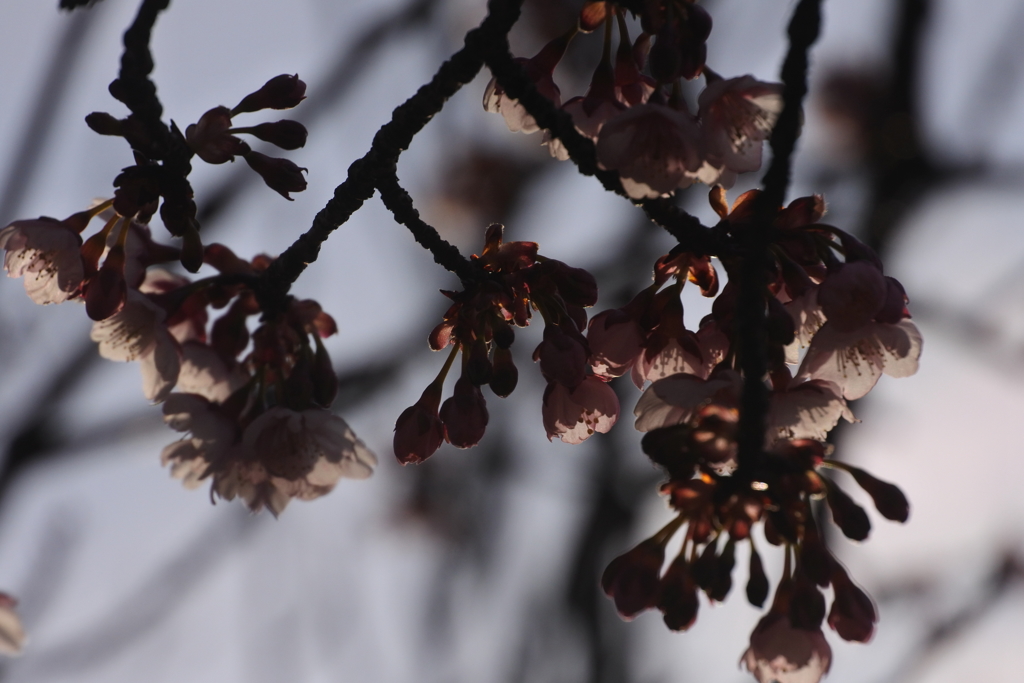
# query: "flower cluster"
(826, 292)
(255, 405)
(640, 122)
(513, 279)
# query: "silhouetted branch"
(750, 307)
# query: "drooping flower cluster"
(826, 292)
(514, 279)
(641, 124)
(254, 405)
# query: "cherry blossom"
(282, 454)
(737, 115)
(137, 333)
(45, 252)
(675, 399)
(806, 410)
(654, 147)
(855, 360)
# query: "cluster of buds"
(255, 405)
(826, 291)
(640, 122)
(214, 140)
(159, 177)
(513, 280)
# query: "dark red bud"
(280, 175)
(888, 498)
(678, 601)
(847, 515)
(506, 376)
(464, 415)
(504, 335)
(280, 92)
(105, 124)
(757, 584)
(191, 250)
(286, 134)
(853, 615)
(705, 568)
(441, 336)
(632, 579)
(478, 365)
(419, 431)
(722, 581)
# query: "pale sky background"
(126, 576)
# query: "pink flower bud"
(464, 415)
(280, 92)
(280, 175)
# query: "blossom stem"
(439, 380)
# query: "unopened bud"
(419, 431)
(286, 134)
(105, 124)
(888, 498)
(464, 415)
(847, 515)
(632, 580)
(757, 584)
(280, 92)
(678, 600)
(505, 376)
(280, 175)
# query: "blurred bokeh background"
(483, 565)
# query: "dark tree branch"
(750, 308)
(377, 166)
(685, 228)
